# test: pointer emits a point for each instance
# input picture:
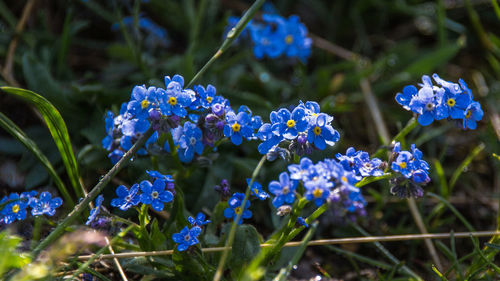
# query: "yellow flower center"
(450, 102)
(402, 165)
(237, 210)
(144, 104)
(290, 123)
(172, 101)
(343, 178)
(209, 99)
(469, 113)
(236, 127)
(317, 131)
(289, 39)
(15, 208)
(256, 191)
(317, 193)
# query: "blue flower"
(45, 204)
(302, 222)
(115, 156)
(473, 113)
(190, 142)
(284, 190)
(142, 100)
(15, 210)
(321, 133)
(134, 126)
(237, 127)
(405, 98)
(317, 189)
(206, 96)
(268, 138)
(256, 190)
(186, 237)
(199, 220)
(360, 163)
(302, 170)
(157, 175)
(235, 208)
(175, 99)
(452, 105)
(290, 124)
(126, 198)
(155, 194)
(402, 164)
(295, 38)
(268, 39)
(95, 211)
(425, 103)
(348, 161)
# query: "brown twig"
(350, 240)
(9, 59)
(117, 263)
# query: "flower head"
(126, 198)
(95, 211)
(45, 204)
(155, 194)
(235, 208)
(284, 190)
(187, 237)
(199, 220)
(257, 190)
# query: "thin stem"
(232, 232)
(230, 37)
(59, 230)
(115, 260)
(321, 242)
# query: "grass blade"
(463, 165)
(17, 133)
(57, 129)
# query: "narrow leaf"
(17, 133)
(57, 129)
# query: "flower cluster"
(194, 117)
(275, 35)
(157, 192)
(188, 237)
(155, 35)
(326, 181)
(14, 207)
(444, 100)
(303, 128)
(197, 118)
(413, 169)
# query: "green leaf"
(8, 251)
(246, 246)
(57, 129)
(17, 133)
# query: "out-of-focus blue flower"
(95, 211)
(126, 198)
(155, 194)
(15, 210)
(296, 40)
(302, 222)
(186, 237)
(257, 190)
(284, 190)
(157, 175)
(235, 208)
(199, 220)
(302, 170)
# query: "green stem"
(59, 230)
(230, 37)
(232, 232)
